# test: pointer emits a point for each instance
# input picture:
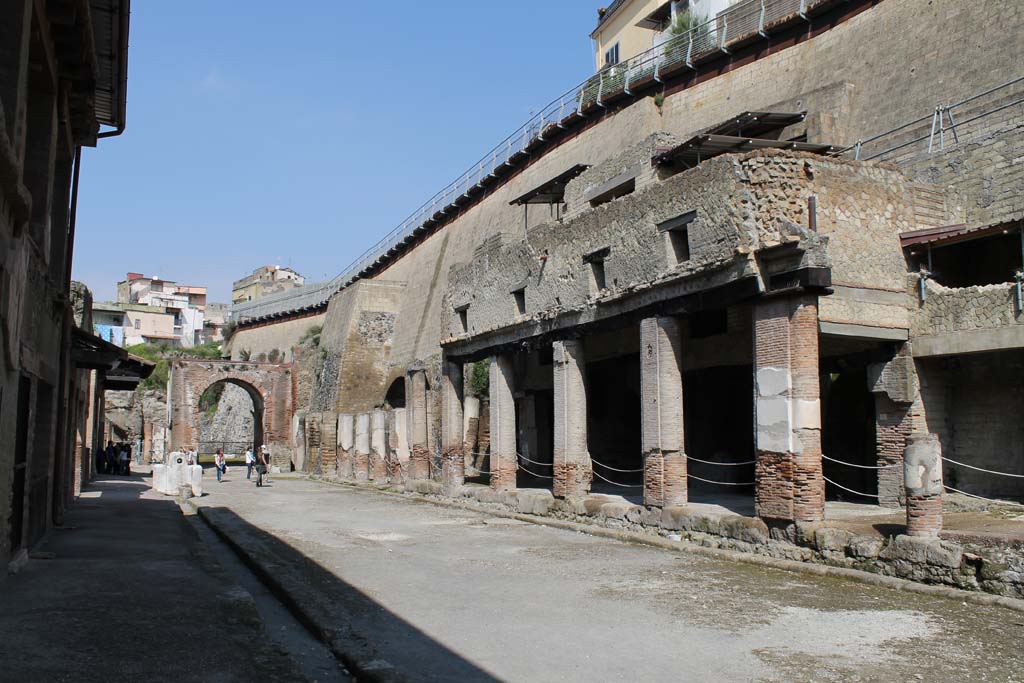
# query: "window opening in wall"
(677, 237)
(597, 281)
(136, 323)
(611, 55)
(519, 296)
(708, 323)
(463, 315)
(618, 190)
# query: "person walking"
(124, 459)
(249, 462)
(218, 462)
(265, 455)
(261, 467)
(110, 462)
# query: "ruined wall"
(358, 333)
(840, 77)
(265, 339)
(230, 425)
(974, 405)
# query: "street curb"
(892, 582)
(362, 662)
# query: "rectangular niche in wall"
(596, 281)
(676, 233)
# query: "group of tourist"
(260, 461)
(114, 459)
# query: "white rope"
(615, 469)
(615, 483)
(858, 493)
(972, 467)
(721, 483)
(534, 462)
(723, 464)
(863, 467)
(969, 495)
(539, 476)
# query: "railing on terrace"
(744, 21)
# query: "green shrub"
(480, 379)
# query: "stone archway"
(269, 386)
(237, 436)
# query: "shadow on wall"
(361, 630)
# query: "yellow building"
(264, 281)
(628, 27)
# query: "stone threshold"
(970, 572)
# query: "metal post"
(760, 22)
(561, 110)
(540, 132)
(856, 150)
(952, 125)
(803, 10)
(931, 136)
(600, 88)
(625, 86)
(725, 32)
(689, 51)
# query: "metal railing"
(745, 20)
(943, 126)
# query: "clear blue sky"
(300, 133)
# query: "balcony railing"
(737, 25)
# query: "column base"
(453, 471)
(361, 465)
(572, 480)
(419, 463)
(665, 479)
(790, 487)
(924, 515)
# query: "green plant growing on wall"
(210, 399)
(686, 21)
(312, 335)
(245, 354)
(480, 379)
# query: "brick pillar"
(787, 406)
(419, 466)
(361, 461)
(661, 382)
(573, 468)
(503, 425)
(892, 427)
(922, 472)
(346, 443)
(379, 446)
(453, 468)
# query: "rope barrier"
(863, 467)
(614, 469)
(723, 464)
(721, 483)
(969, 495)
(615, 483)
(539, 476)
(534, 462)
(972, 467)
(858, 493)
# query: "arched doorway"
(230, 415)
(396, 394)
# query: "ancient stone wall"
(263, 340)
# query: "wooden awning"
(122, 370)
(702, 147)
(551, 191)
(757, 124)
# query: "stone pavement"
(439, 593)
(130, 594)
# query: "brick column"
(787, 407)
(346, 444)
(661, 382)
(922, 472)
(573, 468)
(378, 446)
(892, 427)
(453, 468)
(419, 466)
(361, 461)
(503, 425)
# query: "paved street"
(126, 591)
(448, 594)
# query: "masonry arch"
(230, 438)
(395, 396)
(269, 386)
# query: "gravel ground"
(448, 594)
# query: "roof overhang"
(757, 124)
(952, 234)
(122, 370)
(656, 19)
(702, 147)
(612, 10)
(551, 191)
(110, 21)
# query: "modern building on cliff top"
(746, 268)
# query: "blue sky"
(258, 133)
